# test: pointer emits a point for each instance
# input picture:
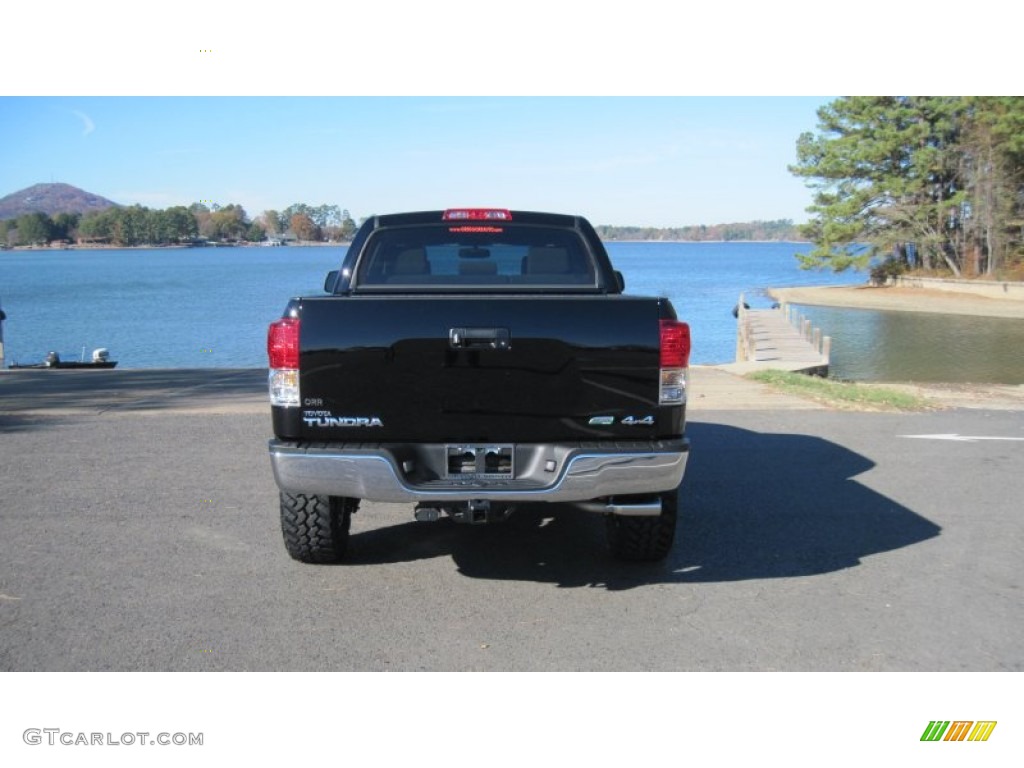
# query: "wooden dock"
(779, 338)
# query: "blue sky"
(652, 114)
(662, 161)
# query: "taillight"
(283, 355)
(675, 358)
(675, 344)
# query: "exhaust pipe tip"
(648, 508)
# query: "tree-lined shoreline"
(179, 226)
(778, 230)
(199, 223)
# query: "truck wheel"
(644, 539)
(315, 528)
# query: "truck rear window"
(494, 257)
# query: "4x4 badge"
(633, 421)
(629, 421)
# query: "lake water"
(922, 346)
(209, 307)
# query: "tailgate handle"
(479, 338)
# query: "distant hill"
(51, 199)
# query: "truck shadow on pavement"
(754, 506)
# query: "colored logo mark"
(959, 730)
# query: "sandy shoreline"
(900, 299)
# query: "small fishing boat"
(100, 359)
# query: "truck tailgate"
(479, 368)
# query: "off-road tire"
(315, 528)
(644, 539)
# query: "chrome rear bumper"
(550, 473)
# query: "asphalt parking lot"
(139, 531)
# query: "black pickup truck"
(470, 360)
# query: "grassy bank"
(842, 394)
